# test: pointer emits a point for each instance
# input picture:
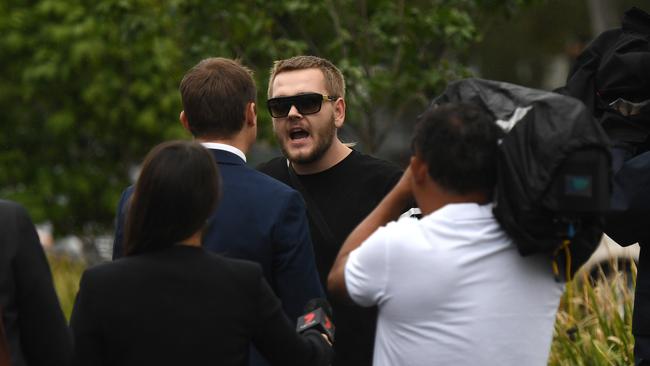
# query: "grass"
(594, 321)
(593, 325)
(66, 273)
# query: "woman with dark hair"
(169, 302)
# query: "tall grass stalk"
(593, 325)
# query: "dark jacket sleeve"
(295, 277)
(276, 338)
(631, 195)
(44, 335)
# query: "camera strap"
(312, 208)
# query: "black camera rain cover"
(615, 65)
(542, 130)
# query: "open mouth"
(298, 133)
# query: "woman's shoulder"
(178, 255)
(181, 263)
(243, 275)
(200, 259)
(238, 267)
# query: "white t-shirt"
(453, 290)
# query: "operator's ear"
(250, 114)
(419, 169)
(183, 118)
(339, 112)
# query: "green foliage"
(66, 273)
(89, 87)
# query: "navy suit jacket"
(258, 219)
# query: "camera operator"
(451, 288)
(612, 78)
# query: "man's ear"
(419, 169)
(250, 114)
(183, 118)
(339, 112)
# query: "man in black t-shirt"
(611, 78)
(340, 185)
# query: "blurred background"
(88, 87)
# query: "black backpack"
(553, 181)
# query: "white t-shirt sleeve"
(366, 269)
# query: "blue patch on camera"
(578, 185)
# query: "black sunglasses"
(309, 103)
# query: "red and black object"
(318, 317)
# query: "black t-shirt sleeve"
(276, 338)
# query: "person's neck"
(334, 155)
(434, 197)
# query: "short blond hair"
(334, 81)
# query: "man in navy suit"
(259, 218)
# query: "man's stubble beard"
(323, 141)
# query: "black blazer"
(36, 329)
(184, 306)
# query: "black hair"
(178, 189)
(459, 143)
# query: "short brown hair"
(215, 94)
(334, 81)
